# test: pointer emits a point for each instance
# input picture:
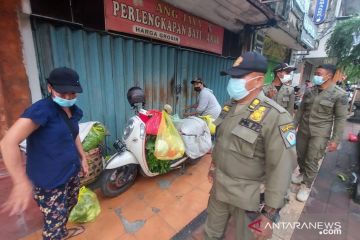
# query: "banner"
(161, 21)
(320, 11)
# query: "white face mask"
(286, 78)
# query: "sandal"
(72, 232)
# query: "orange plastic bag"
(169, 144)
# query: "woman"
(54, 155)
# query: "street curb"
(190, 227)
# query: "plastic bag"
(352, 137)
(152, 125)
(177, 121)
(87, 207)
(95, 137)
(209, 121)
(169, 144)
(196, 136)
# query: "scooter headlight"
(128, 129)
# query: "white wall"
(29, 55)
(320, 51)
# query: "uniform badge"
(250, 124)
(288, 134)
(254, 104)
(224, 111)
(258, 114)
(238, 61)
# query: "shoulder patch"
(344, 100)
(288, 134)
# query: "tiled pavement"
(153, 208)
(160, 207)
(330, 198)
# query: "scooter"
(121, 169)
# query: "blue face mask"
(318, 80)
(236, 88)
(64, 102)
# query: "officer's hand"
(264, 230)
(211, 173)
(332, 146)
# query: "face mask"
(197, 89)
(64, 102)
(318, 80)
(236, 88)
(286, 78)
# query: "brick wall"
(14, 86)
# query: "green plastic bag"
(95, 137)
(87, 207)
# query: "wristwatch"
(274, 217)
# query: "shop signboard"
(158, 20)
(320, 11)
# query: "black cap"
(284, 67)
(247, 63)
(64, 80)
(197, 80)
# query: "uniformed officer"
(255, 143)
(321, 120)
(279, 90)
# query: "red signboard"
(161, 21)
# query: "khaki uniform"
(285, 97)
(320, 118)
(255, 143)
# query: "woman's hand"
(19, 198)
(21, 192)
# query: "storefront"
(111, 61)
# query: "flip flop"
(72, 232)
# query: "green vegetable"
(87, 207)
(95, 137)
(155, 165)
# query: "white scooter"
(121, 169)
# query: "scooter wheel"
(118, 180)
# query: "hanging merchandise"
(169, 144)
(87, 207)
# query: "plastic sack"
(169, 144)
(209, 121)
(196, 136)
(87, 207)
(152, 125)
(95, 137)
(177, 121)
